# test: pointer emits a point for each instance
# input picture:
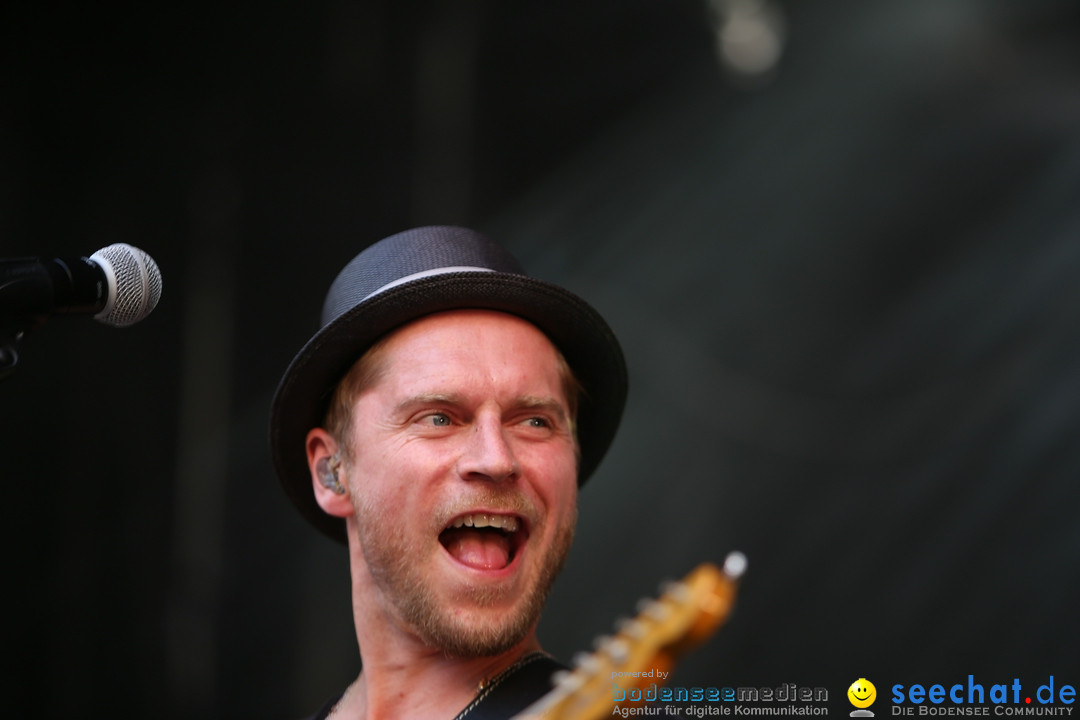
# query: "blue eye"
(439, 419)
(537, 422)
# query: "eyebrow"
(527, 402)
(550, 405)
(428, 399)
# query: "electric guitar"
(685, 614)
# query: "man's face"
(464, 478)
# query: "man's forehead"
(463, 352)
(466, 330)
(464, 319)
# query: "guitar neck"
(644, 649)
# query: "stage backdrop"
(839, 240)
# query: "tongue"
(480, 549)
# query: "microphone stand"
(11, 337)
(9, 354)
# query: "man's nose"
(488, 453)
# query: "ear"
(321, 445)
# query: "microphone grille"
(134, 284)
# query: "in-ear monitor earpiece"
(327, 470)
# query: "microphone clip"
(10, 339)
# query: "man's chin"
(478, 633)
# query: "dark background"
(847, 284)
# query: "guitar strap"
(514, 689)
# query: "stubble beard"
(390, 559)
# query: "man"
(440, 424)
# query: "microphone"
(119, 284)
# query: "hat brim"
(578, 331)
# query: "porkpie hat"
(416, 273)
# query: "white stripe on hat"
(428, 273)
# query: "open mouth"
(484, 541)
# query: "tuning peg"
(631, 628)
(677, 591)
(654, 609)
(617, 650)
(586, 662)
(567, 681)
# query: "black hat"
(417, 273)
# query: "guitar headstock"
(686, 613)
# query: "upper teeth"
(504, 522)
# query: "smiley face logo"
(862, 693)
